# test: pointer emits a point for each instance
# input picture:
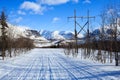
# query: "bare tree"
(112, 20)
(102, 35)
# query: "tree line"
(8, 44)
(103, 47)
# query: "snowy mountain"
(42, 38)
(107, 31)
(58, 35)
(22, 31)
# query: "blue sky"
(52, 14)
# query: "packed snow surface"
(52, 64)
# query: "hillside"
(58, 35)
(22, 31)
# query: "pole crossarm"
(86, 17)
(76, 17)
(75, 24)
(82, 28)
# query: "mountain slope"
(21, 31)
(58, 35)
(106, 31)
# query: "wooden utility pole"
(116, 46)
(88, 32)
(88, 17)
(82, 28)
(75, 23)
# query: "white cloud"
(18, 19)
(40, 5)
(55, 19)
(53, 2)
(34, 7)
(21, 12)
(86, 1)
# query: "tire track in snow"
(73, 77)
(78, 67)
(40, 74)
(44, 73)
(90, 70)
(50, 64)
(12, 74)
(55, 69)
(18, 73)
(28, 71)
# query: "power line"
(88, 17)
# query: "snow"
(15, 32)
(43, 44)
(52, 64)
(37, 39)
(59, 35)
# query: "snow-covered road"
(52, 64)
